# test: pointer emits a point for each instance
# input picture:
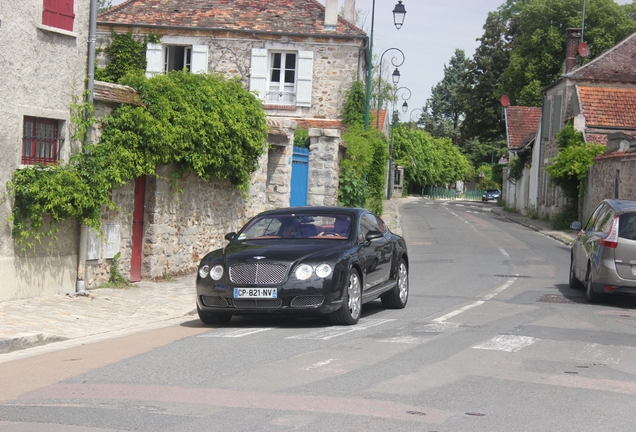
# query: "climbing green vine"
(204, 124)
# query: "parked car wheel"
(398, 296)
(574, 282)
(590, 295)
(351, 309)
(211, 318)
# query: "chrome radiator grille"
(258, 303)
(257, 273)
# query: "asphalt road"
(492, 339)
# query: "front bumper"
(289, 301)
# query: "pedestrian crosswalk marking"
(234, 333)
(332, 332)
(507, 343)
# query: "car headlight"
(217, 272)
(323, 270)
(304, 272)
(204, 271)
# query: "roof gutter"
(259, 32)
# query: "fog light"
(610, 288)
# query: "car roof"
(316, 209)
(622, 206)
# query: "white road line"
(458, 311)
(477, 303)
(503, 252)
(508, 343)
(319, 364)
(234, 333)
(332, 332)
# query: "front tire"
(590, 295)
(213, 318)
(349, 312)
(399, 295)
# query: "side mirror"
(576, 225)
(230, 236)
(372, 235)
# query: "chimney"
(572, 49)
(350, 11)
(331, 15)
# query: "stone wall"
(336, 63)
(324, 167)
(602, 180)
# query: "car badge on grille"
(259, 257)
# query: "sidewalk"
(539, 225)
(105, 313)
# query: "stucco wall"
(43, 73)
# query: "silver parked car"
(603, 255)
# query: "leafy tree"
(104, 5)
(538, 53)
(427, 161)
(483, 121)
(444, 110)
(125, 53)
(362, 170)
(570, 167)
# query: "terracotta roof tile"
(305, 17)
(608, 107)
(521, 124)
(618, 64)
(374, 119)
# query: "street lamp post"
(395, 78)
(399, 13)
(391, 181)
(411, 118)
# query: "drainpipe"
(83, 239)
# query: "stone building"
(599, 97)
(299, 57)
(43, 50)
(521, 130)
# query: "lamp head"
(399, 12)
(396, 76)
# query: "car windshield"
(297, 226)
(493, 191)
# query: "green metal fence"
(451, 194)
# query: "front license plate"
(255, 293)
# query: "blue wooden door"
(300, 174)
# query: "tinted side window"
(591, 223)
(381, 226)
(605, 219)
(367, 223)
(627, 226)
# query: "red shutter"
(58, 13)
(66, 14)
(49, 15)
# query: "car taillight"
(611, 241)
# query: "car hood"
(287, 251)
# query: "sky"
(432, 30)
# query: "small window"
(177, 57)
(282, 79)
(58, 13)
(41, 141)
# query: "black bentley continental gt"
(304, 261)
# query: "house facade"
(521, 129)
(599, 98)
(43, 48)
(298, 57)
